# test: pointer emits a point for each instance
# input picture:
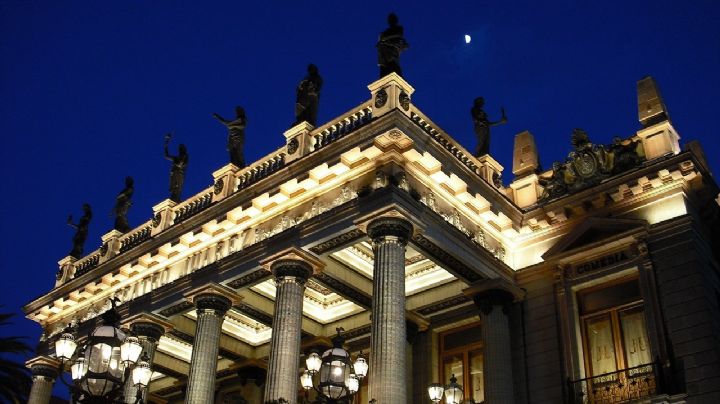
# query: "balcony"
(634, 384)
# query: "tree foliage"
(15, 380)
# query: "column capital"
(209, 301)
(489, 293)
(383, 227)
(213, 297)
(293, 261)
(148, 325)
(43, 366)
(288, 267)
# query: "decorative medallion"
(404, 100)
(156, 220)
(381, 98)
(589, 164)
(293, 145)
(219, 185)
(585, 164)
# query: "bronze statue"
(308, 96)
(556, 185)
(177, 172)
(624, 156)
(81, 231)
(236, 135)
(122, 205)
(482, 126)
(389, 46)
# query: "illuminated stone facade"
(565, 286)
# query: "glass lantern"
(338, 377)
(306, 380)
(142, 373)
(353, 383)
(65, 347)
(453, 392)
(313, 363)
(435, 391)
(130, 350)
(78, 369)
(335, 372)
(360, 366)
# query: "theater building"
(596, 281)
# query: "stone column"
(44, 371)
(422, 366)
(283, 368)
(497, 352)
(211, 309)
(149, 334)
(388, 371)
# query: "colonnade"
(388, 367)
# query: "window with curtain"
(461, 355)
(613, 328)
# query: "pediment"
(591, 232)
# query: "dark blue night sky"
(89, 88)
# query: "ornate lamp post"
(338, 378)
(103, 363)
(453, 392)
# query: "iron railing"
(622, 386)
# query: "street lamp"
(338, 378)
(453, 392)
(103, 363)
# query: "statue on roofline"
(81, 231)
(236, 135)
(589, 164)
(177, 172)
(390, 44)
(122, 205)
(308, 97)
(482, 126)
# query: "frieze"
(343, 289)
(442, 305)
(249, 279)
(447, 259)
(317, 208)
(454, 219)
(179, 308)
(181, 336)
(254, 313)
(357, 332)
(338, 242)
(315, 286)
